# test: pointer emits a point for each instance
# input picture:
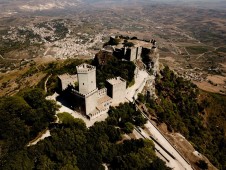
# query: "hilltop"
(162, 108)
(192, 45)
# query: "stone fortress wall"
(132, 53)
(102, 92)
(93, 102)
(65, 80)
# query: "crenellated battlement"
(94, 102)
(85, 68)
(84, 95)
(116, 80)
(77, 93)
(98, 112)
(102, 92)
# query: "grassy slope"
(198, 115)
(215, 121)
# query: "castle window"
(83, 83)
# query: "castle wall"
(139, 52)
(86, 104)
(65, 80)
(91, 102)
(79, 101)
(119, 52)
(133, 53)
(98, 113)
(119, 93)
(102, 92)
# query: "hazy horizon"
(47, 5)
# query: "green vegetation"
(197, 49)
(60, 30)
(221, 49)
(71, 146)
(29, 34)
(131, 83)
(202, 164)
(128, 44)
(199, 116)
(114, 68)
(213, 141)
(113, 41)
(57, 26)
(125, 116)
(57, 68)
(22, 118)
(11, 45)
(177, 105)
(65, 118)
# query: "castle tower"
(116, 89)
(86, 78)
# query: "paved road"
(179, 163)
(140, 80)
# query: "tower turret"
(116, 89)
(86, 78)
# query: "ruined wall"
(133, 53)
(130, 53)
(139, 52)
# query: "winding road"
(165, 150)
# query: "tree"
(202, 164)
(68, 119)
(128, 127)
(141, 98)
(128, 44)
(34, 97)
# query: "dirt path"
(46, 82)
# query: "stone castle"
(93, 102)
